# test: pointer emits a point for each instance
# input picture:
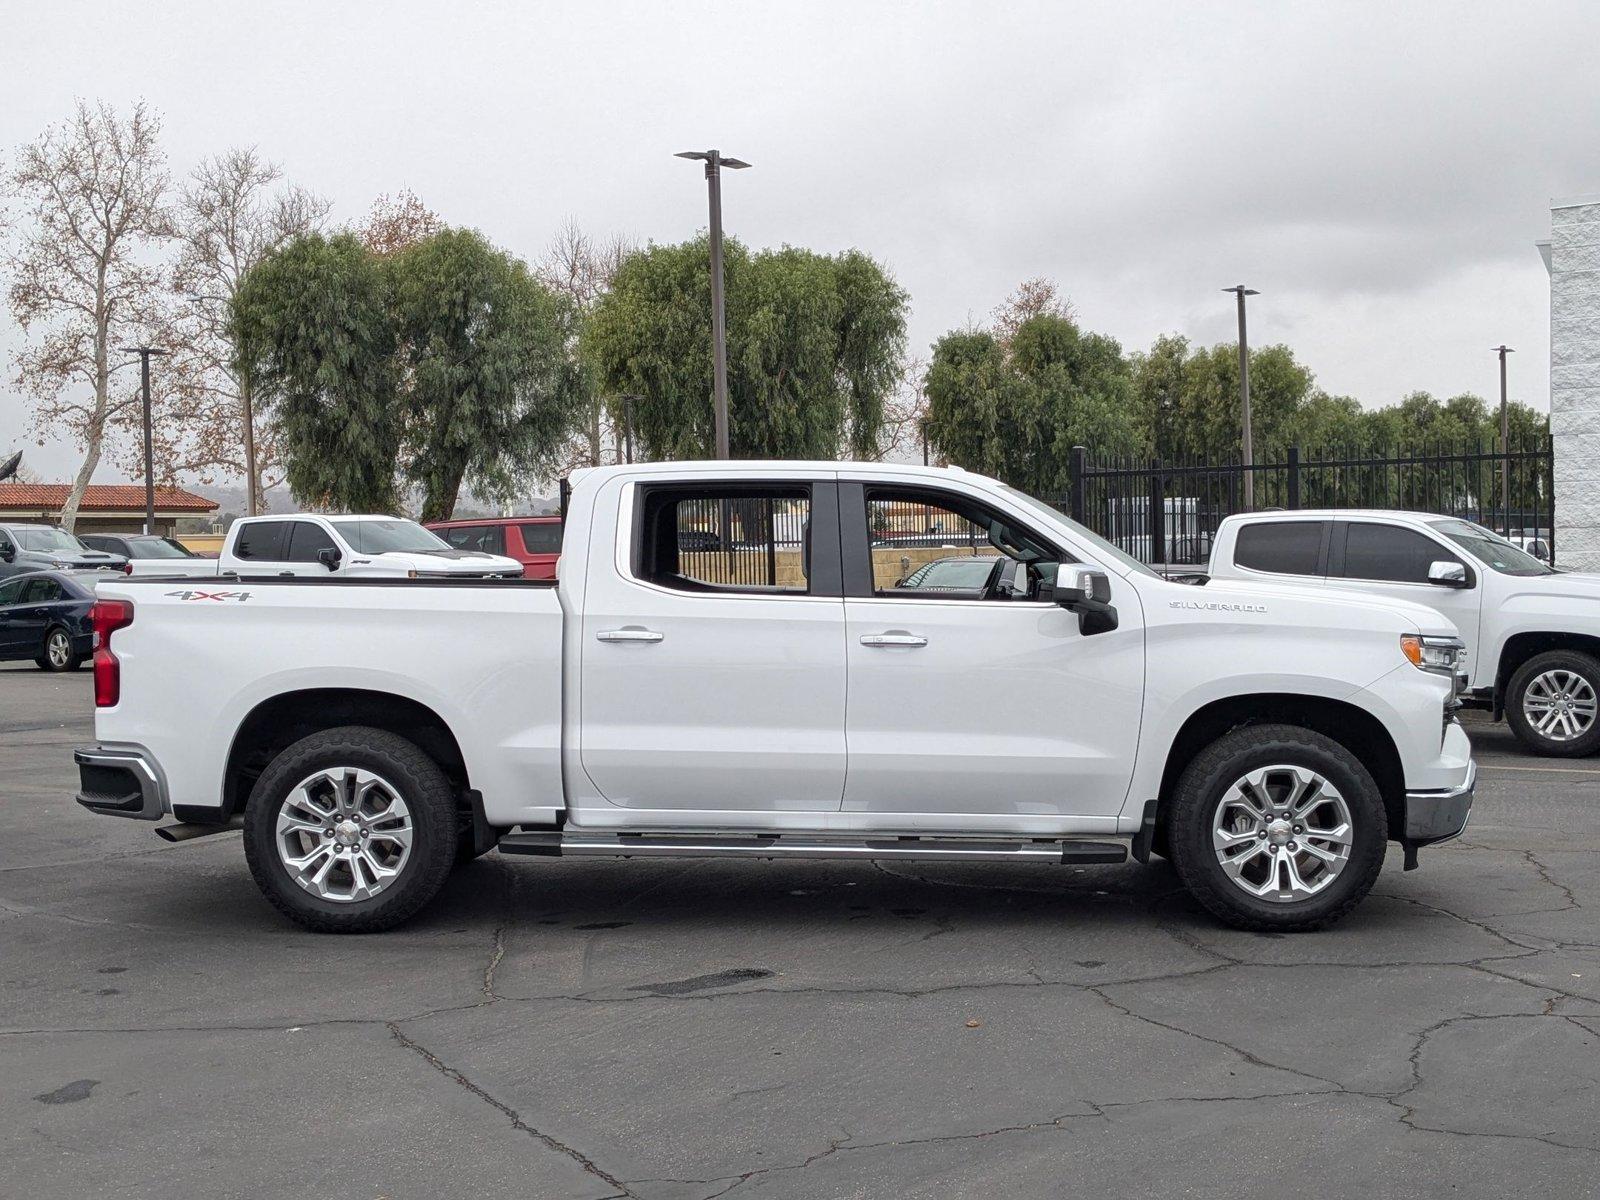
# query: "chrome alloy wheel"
(344, 834)
(1282, 833)
(1559, 704)
(58, 649)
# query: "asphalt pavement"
(675, 1030)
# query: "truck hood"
(79, 558)
(446, 562)
(1563, 585)
(1409, 617)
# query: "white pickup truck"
(733, 663)
(352, 546)
(1532, 633)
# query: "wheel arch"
(1352, 727)
(1520, 647)
(279, 721)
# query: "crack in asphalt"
(549, 1141)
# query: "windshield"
(49, 539)
(381, 534)
(1492, 549)
(1100, 543)
(158, 547)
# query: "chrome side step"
(950, 849)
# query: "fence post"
(1294, 476)
(1158, 514)
(1076, 473)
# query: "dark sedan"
(44, 616)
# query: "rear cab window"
(487, 539)
(1282, 547)
(541, 537)
(731, 539)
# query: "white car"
(354, 546)
(666, 698)
(1532, 633)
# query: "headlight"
(1442, 655)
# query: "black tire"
(58, 665)
(1586, 666)
(411, 773)
(1207, 780)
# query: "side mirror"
(1087, 592)
(329, 557)
(1447, 574)
(8, 553)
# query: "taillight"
(127, 567)
(108, 616)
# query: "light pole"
(144, 353)
(1505, 442)
(719, 334)
(627, 424)
(1247, 448)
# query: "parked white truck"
(352, 546)
(1532, 633)
(689, 690)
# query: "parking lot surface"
(680, 1030)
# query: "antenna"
(8, 470)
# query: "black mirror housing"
(1087, 592)
(329, 557)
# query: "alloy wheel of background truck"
(1275, 827)
(351, 830)
(1553, 703)
(57, 654)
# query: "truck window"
(542, 538)
(1390, 553)
(937, 546)
(743, 539)
(486, 539)
(261, 541)
(1282, 547)
(306, 539)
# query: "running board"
(949, 849)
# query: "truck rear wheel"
(1275, 827)
(351, 830)
(1553, 703)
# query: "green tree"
(432, 364)
(1015, 411)
(482, 357)
(313, 321)
(814, 342)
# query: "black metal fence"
(1169, 512)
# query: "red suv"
(535, 542)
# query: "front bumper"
(1437, 816)
(121, 781)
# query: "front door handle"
(893, 639)
(628, 635)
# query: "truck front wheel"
(351, 830)
(1553, 702)
(1275, 827)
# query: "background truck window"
(1283, 547)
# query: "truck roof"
(1300, 514)
(741, 466)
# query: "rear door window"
(262, 541)
(542, 538)
(1390, 553)
(41, 591)
(486, 539)
(1281, 547)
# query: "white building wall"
(1574, 262)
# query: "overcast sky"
(1380, 172)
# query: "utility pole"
(144, 353)
(714, 162)
(627, 425)
(1505, 444)
(1247, 447)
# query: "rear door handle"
(628, 635)
(892, 639)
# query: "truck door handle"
(892, 639)
(628, 635)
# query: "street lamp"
(1247, 449)
(1505, 442)
(719, 334)
(144, 353)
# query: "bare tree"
(228, 219)
(1033, 298)
(81, 281)
(581, 268)
(398, 221)
(905, 415)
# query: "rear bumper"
(121, 781)
(1437, 816)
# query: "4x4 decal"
(197, 594)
